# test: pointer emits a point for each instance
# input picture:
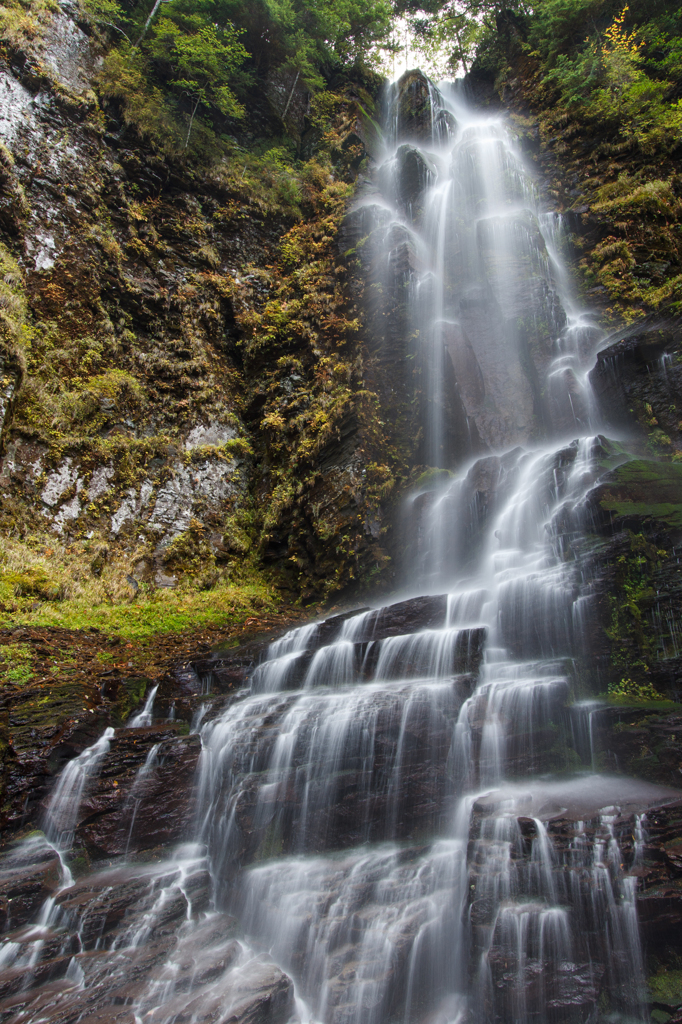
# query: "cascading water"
(144, 717)
(377, 807)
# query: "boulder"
(414, 173)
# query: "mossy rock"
(432, 478)
(131, 695)
(666, 988)
(640, 490)
(415, 116)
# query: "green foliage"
(312, 38)
(17, 663)
(202, 60)
(629, 197)
(125, 77)
(183, 70)
(627, 691)
(621, 74)
(447, 40)
(14, 329)
(636, 642)
(23, 21)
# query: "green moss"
(272, 845)
(628, 693)
(641, 702)
(162, 611)
(131, 694)
(432, 477)
(17, 663)
(666, 987)
(634, 642)
(645, 490)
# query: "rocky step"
(229, 670)
(123, 986)
(414, 657)
(430, 653)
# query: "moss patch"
(162, 611)
(645, 490)
(666, 987)
(89, 584)
(17, 663)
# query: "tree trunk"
(461, 51)
(191, 122)
(143, 33)
(290, 95)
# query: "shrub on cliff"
(174, 62)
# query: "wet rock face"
(642, 741)
(68, 175)
(636, 511)
(29, 874)
(570, 993)
(144, 795)
(104, 973)
(524, 985)
(413, 175)
(415, 112)
(638, 380)
(368, 798)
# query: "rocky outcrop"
(415, 110)
(638, 381)
(154, 437)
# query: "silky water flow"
(377, 808)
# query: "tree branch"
(291, 94)
(191, 121)
(148, 22)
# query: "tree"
(202, 63)
(448, 33)
(447, 40)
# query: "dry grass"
(44, 582)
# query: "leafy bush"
(627, 691)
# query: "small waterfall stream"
(405, 818)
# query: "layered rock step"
(113, 939)
(110, 944)
(405, 640)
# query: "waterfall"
(64, 803)
(144, 718)
(400, 808)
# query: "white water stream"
(379, 815)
